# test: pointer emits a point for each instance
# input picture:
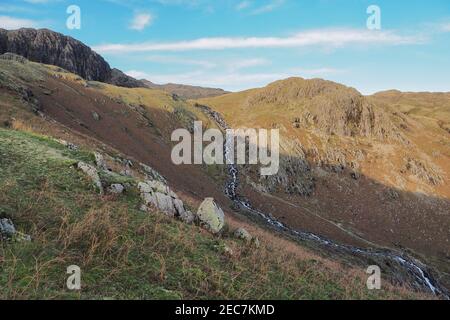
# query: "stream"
(414, 268)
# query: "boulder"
(165, 204)
(116, 188)
(92, 173)
(211, 216)
(156, 194)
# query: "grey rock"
(49, 47)
(211, 216)
(165, 204)
(69, 145)
(7, 229)
(100, 161)
(160, 196)
(96, 116)
(116, 188)
(92, 173)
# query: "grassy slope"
(125, 253)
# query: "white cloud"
(141, 21)
(272, 5)
(330, 38)
(180, 60)
(243, 5)
(12, 23)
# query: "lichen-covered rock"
(211, 216)
(92, 173)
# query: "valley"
(363, 180)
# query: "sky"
(240, 44)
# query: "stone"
(144, 187)
(158, 186)
(7, 229)
(116, 188)
(100, 161)
(187, 217)
(165, 204)
(69, 145)
(243, 234)
(92, 173)
(211, 216)
(96, 116)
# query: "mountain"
(77, 159)
(49, 47)
(429, 108)
(87, 176)
(53, 48)
(185, 91)
(375, 167)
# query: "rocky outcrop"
(158, 195)
(329, 108)
(46, 46)
(49, 47)
(211, 216)
(92, 173)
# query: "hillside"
(53, 121)
(357, 164)
(432, 109)
(185, 91)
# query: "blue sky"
(240, 44)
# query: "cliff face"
(53, 48)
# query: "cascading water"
(417, 269)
